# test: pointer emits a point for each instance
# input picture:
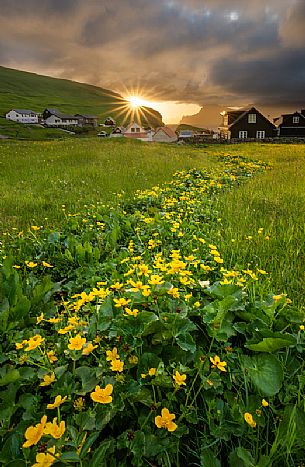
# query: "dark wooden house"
(292, 125)
(85, 119)
(246, 124)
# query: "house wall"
(261, 125)
(57, 121)
(293, 131)
(22, 118)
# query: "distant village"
(236, 126)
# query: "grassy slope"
(25, 90)
(38, 177)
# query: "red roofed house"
(164, 134)
(135, 131)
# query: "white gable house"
(136, 131)
(22, 116)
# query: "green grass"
(38, 177)
(273, 201)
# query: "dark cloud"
(199, 51)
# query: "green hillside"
(23, 90)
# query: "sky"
(179, 54)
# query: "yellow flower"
(121, 302)
(302, 327)
(103, 396)
(48, 379)
(155, 280)
(89, 347)
(34, 433)
(34, 342)
(165, 420)
(47, 265)
(51, 356)
(31, 264)
(112, 354)
(131, 312)
(53, 320)
(35, 227)
(39, 318)
(58, 401)
(152, 371)
(265, 403)
(77, 342)
(117, 365)
(79, 404)
(66, 329)
(249, 419)
(179, 379)
(56, 431)
(20, 345)
(45, 459)
(133, 359)
(117, 286)
(217, 363)
(174, 292)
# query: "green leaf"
(69, 456)
(88, 443)
(10, 377)
(186, 342)
(271, 344)
(208, 459)
(100, 454)
(88, 378)
(265, 372)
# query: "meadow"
(156, 316)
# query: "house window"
(133, 130)
(225, 120)
(260, 134)
(138, 130)
(295, 119)
(252, 118)
(243, 134)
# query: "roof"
(24, 111)
(86, 116)
(168, 131)
(246, 112)
(61, 115)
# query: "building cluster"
(247, 125)
(51, 118)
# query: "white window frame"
(243, 134)
(260, 134)
(251, 118)
(295, 119)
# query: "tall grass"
(274, 202)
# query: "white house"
(135, 131)
(22, 116)
(164, 134)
